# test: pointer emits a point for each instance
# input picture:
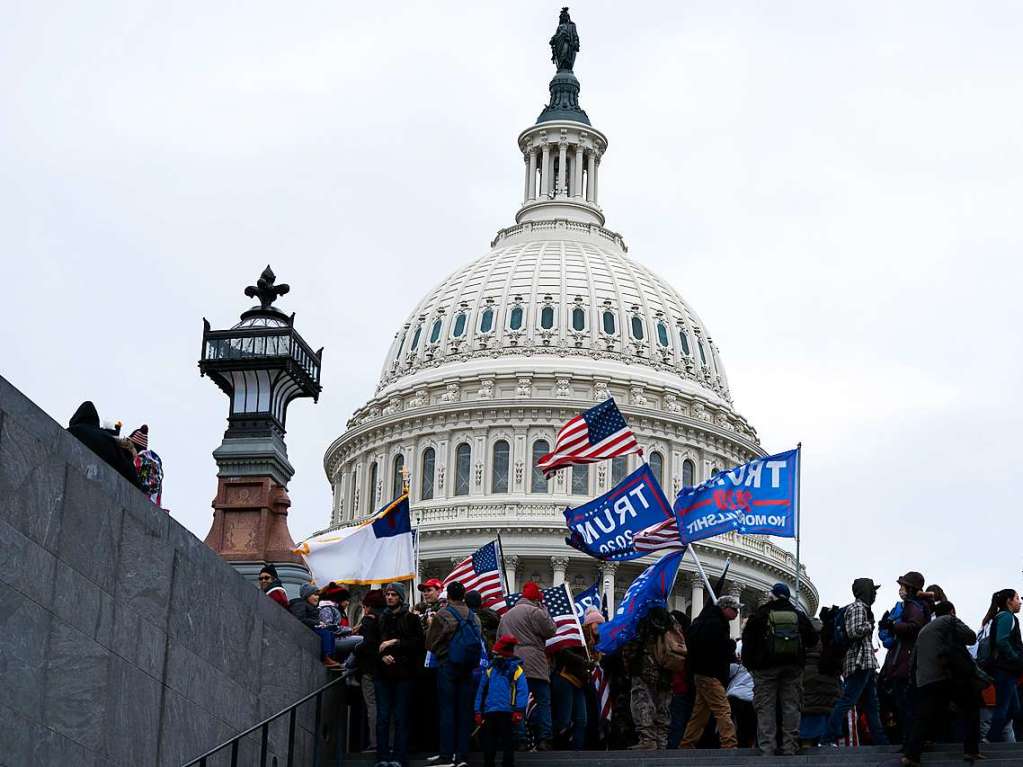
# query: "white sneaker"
(433, 759)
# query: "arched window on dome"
(401, 343)
(637, 327)
(538, 482)
(458, 329)
(579, 319)
(619, 468)
(463, 468)
(580, 479)
(688, 473)
(487, 320)
(703, 356)
(350, 494)
(414, 347)
(662, 334)
(515, 318)
(435, 330)
(607, 321)
(372, 491)
(499, 467)
(426, 480)
(397, 480)
(656, 462)
(547, 317)
(683, 338)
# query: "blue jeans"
(456, 691)
(569, 707)
(859, 683)
(540, 721)
(681, 708)
(392, 705)
(1006, 704)
(326, 642)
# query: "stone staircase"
(872, 756)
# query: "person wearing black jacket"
(711, 651)
(84, 424)
(774, 645)
(396, 641)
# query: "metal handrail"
(235, 741)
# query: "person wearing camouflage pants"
(650, 702)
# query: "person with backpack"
(850, 638)
(894, 681)
(944, 673)
(1001, 655)
(531, 623)
(711, 652)
(652, 658)
(774, 645)
(456, 641)
(501, 702)
(822, 687)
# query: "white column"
(545, 171)
(526, 157)
(577, 181)
(562, 168)
(590, 175)
(696, 600)
(531, 183)
(558, 565)
(596, 176)
(511, 563)
(608, 569)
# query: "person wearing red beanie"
(530, 622)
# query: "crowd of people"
(447, 675)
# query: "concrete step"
(865, 756)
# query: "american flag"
(595, 435)
(660, 537)
(602, 688)
(558, 601)
(482, 572)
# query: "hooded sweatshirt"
(84, 425)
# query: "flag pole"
(799, 511)
(504, 568)
(703, 574)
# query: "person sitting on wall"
(119, 453)
(272, 586)
(307, 609)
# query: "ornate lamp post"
(261, 364)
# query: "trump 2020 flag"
(377, 550)
(759, 497)
(584, 600)
(605, 527)
(650, 589)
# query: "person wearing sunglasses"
(272, 586)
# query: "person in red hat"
(425, 736)
(431, 601)
(501, 702)
(530, 622)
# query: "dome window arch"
(463, 468)
(435, 330)
(578, 319)
(636, 326)
(397, 479)
(607, 322)
(580, 479)
(619, 468)
(487, 320)
(538, 482)
(372, 494)
(458, 328)
(547, 318)
(688, 473)
(683, 339)
(703, 355)
(656, 462)
(515, 318)
(426, 482)
(500, 466)
(662, 334)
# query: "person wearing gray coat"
(530, 623)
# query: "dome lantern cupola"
(562, 150)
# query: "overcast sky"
(835, 188)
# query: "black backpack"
(466, 647)
(834, 640)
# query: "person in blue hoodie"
(501, 702)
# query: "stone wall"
(124, 640)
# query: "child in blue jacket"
(501, 702)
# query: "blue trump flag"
(604, 527)
(650, 589)
(584, 600)
(759, 497)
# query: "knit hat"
(335, 592)
(140, 437)
(531, 591)
(781, 590)
(396, 587)
(271, 571)
(374, 598)
(505, 646)
(912, 580)
(729, 601)
(473, 600)
(592, 615)
(307, 590)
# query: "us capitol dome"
(482, 373)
